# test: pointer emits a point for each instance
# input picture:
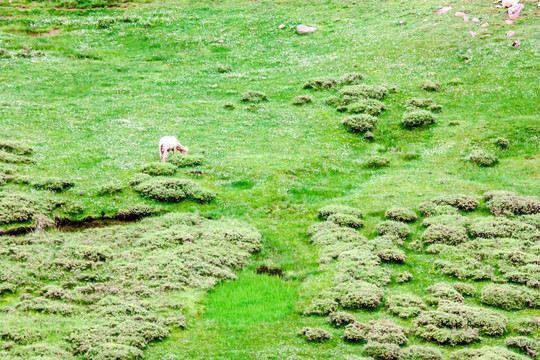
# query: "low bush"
(351, 79)
(12, 158)
(355, 332)
(400, 214)
(367, 106)
(443, 234)
(181, 160)
(464, 289)
(533, 220)
(494, 227)
(359, 294)
(443, 291)
(403, 277)
(377, 162)
(419, 352)
(497, 193)
(449, 220)
(524, 344)
(341, 318)
(417, 118)
(228, 106)
(315, 334)
(138, 212)
(109, 351)
(430, 85)
(483, 158)
(110, 189)
(224, 68)
(16, 208)
(405, 306)
(391, 255)
(486, 353)
(321, 84)
(460, 201)
(380, 351)
(513, 205)
(365, 91)
(391, 227)
(321, 307)
(174, 190)
(487, 321)
(527, 327)
(303, 99)
(427, 104)
(386, 332)
(368, 135)
(159, 169)
(359, 123)
(507, 297)
(15, 147)
(328, 210)
(254, 97)
(444, 328)
(139, 178)
(52, 184)
(333, 101)
(347, 220)
(502, 143)
(429, 208)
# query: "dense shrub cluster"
(430, 85)
(173, 190)
(486, 352)
(380, 351)
(502, 143)
(459, 201)
(365, 91)
(510, 205)
(483, 158)
(321, 307)
(348, 220)
(405, 306)
(376, 162)
(505, 296)
(494, 227)
(302, 99)
(321, 84)
(367, 106)
(426, 104)
(444, 328)
(138, 211)
(341, 318)
(159, 169)
(328, 210)
(443, 234)
(524, 344)
(449, 220)
(403, 277)
(417, 118)
(15, 147)
(359, 123)
(52, 184)
(395, 228)
(400, 214)
(486, 321)
(110, 189)
(254, 97)
(443, 291)
(351, 79)
(315, 334)
(181, 160)
(429, 208)
(12, 158)
(464, 289)
(419, 352)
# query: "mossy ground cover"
(96, 90)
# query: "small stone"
(222, 30)
(510, 33)
(220, 41)
(465, 18)
(281, 26)
(509, 22)
(443, 10)
(484, 25)
(472, 33)
(213, 86)
(467, 61)
(475, 20)
(402, 21)
(251, 29)
(279, 41)
(303, 29)
(516, 44)
(460, 13)
(337, 19)
(514, 12)
(469, 50)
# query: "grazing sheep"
(168, 143)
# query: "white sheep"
(168, 143)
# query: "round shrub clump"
(107, 351)
(385, 331)
(391, 227)
(181, 160)
(347, 220)
(359, 123)
(328, 210)
(315, 334)
(341, 318)
(507, 297)
(460, 201)
(400, 214)
(419, 352)
(321, 307)
(173, 190)
(158, 169)
(483, 158)
(52, 184)
(365, 91)
(367, 106)
(351, 79)
(360, 295)
(391, 255)
(486, 353)
(443, 234)
(380, 351)
(443, 291)
(405, 306)
(502, 143)
(302, 99)
(321, 84)
(417, 118)
(524, 344)
(427, 104)
(403, 277)
(464, 289)
(513, 205)
(254, 97)
(430, 85)
(377, 162)
(355, 332)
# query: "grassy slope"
(95, 106)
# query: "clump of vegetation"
(486, 321)
(420, 352)
(524, 344)
(405, 306)
(224, 68)
(159, 169)
(333, 101)
(449, 220)
(328, 210)
(302, 99)
(181, 160)
(502, 143)
(418, 118)
(315, 334)
(355, 332)
(359, 295)
(15, 147)
(138, 212)
(52, 184)
(430, 208)
(430, 85)
(380, 351)
(443, 234)
(483, 158)
(341, 318)
(400, 214)
(325, 83)
(386, 332)
(367, 106)
(139, 178)
(321, 307)
(511, 205)
(377, 162)
(504, 296)
(365, 91)
(391, 255)
(403, 277)
(351, 79)
(443, 291)
(254, 97)
(110, 189)
(464, 289)
(228, 106)
(348, 220)
(444, 328)
(368, 135)
(391, 227)
(173, 190)
(426, 104)
(8, 157)
(459, 201)
(486, 352)
(360, 123)
(495, 227)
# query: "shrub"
(427, 104)
(109, 351)
(254, 97)
(355, 332)
(429, 208)
(443, 234)
(368, 135)
(351, 79)
(497, 193)
(527, 327)
(315, 334)
(391, 227)
(380, 351)
(341, 318)
(110, 189)
(404, 277)
(504, 296)
(464, 289)
(483, 158)
(417, 118)
(359, 123)
(400, 214)
(450, 220)
(443, 291)
(444, 328)
(348, 220)
(333, 101)
(486, 353)
(386, 332)
(405, 306)
(321, 84)
(159, 169)
(15, 147)
(513, 205)
(391, 255)
(328, 210)
(430, 85)
(525, 344)
(492, 227)
(502, 143)
(533, 220)
(365, 91)
(139, 178)
(367, 106)
(16, 208)
(321, 307)
(460, 201)
(19, 336)
(377, 162)
(487, 321)
(173, 190)
(52, 184)
(419, 352)
(228, 106)
(359, 294)
(14, 158)
(181, 160)
(303, 99)
(137, 212)
(224, 68)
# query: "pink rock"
(303, 29)
(279, 41)
(514, 12)
(510, 33)
(337, 19)
(472, 33)
(460, 13)
(516, 44)
(484, 25)
(402, 21)
(509, 22)
(475, 20)
(469, 50)
(251, 29)
(281, 26)
(465, 18)
(443, 10)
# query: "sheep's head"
(182, 149)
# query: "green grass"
(112, 81)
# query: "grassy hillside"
(91, 91)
